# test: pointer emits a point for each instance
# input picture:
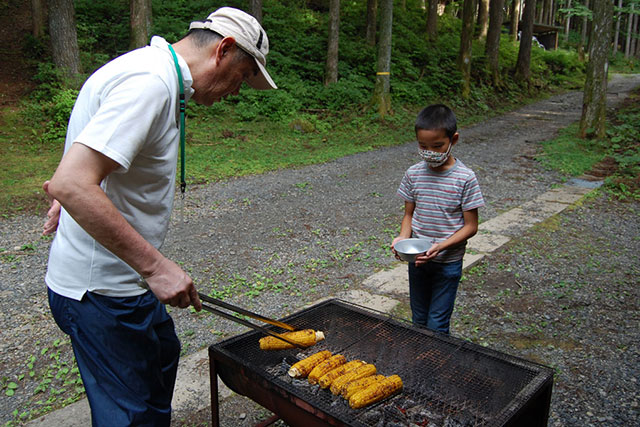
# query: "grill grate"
(447, 381)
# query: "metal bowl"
(409, 249)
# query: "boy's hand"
(393, 249)
(433, 252)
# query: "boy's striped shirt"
(440, 198)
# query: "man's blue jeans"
(127, 352)
(432, 292)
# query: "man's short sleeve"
(129, 111)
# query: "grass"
(26, 164)
(574, 156)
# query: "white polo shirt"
(127, 110)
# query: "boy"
(442, 197)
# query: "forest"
(351, 74)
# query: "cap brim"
(262, 80)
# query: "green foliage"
(625, 150)
(58, 110)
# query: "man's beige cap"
(248, 34)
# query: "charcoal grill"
(447, 381)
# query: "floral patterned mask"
(434, 158)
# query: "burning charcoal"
(408, 403)
(371, 417)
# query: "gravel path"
(563, 294)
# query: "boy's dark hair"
(437, 116)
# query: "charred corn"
(305, 338)
(326, 366)
(302, 368)
(376, 392)
(354, 386)
(326, 380)
(360, 372)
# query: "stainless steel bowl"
(409, 249)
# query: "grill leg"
(213, 378)
(268, 421)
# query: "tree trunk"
(381, 94)
(515, 19)
(492, 48)
(331, 72)
(634, 32)
(432, 20)
(547, 11)
(616, 37)
(523, 64)
(255, 9)
(38, 12)
(583, 33)
(567, 23)
(627, 45)
(594, 104)
(64, 38)
(483, 18)
(466, 41)
(140, 23)
(372, 16)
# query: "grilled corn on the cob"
(360, 372)
(326, 366)
(302, 368)
(305, 338)
(350, 388)
(376, 392)
(326, 380)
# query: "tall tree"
(255, 9)
(381, 94)
(627, 45)
(523, 64)
(432, 20)
(492, 47)
(547, 12)
(38, 12)
(594, 102)
(584, 30)
(616, 37)
(483, 18)
(140, 23)
(567, 21)
(331, 70)
(634, 32)
(372, 16)
(466, 41)
(64, 38)
(515, 19)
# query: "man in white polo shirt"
(116, 183)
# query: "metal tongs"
(206, 298)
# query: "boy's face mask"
(434, 158)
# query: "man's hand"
(53, 214)
(171, 285)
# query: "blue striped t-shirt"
(440, 198)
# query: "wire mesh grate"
(447, 381)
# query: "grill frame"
(261, 379)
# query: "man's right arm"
(76, 185)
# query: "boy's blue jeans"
(432, 292)
(127, 352)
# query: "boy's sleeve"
(471, 195)
(406, 189)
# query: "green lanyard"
(183, 108)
